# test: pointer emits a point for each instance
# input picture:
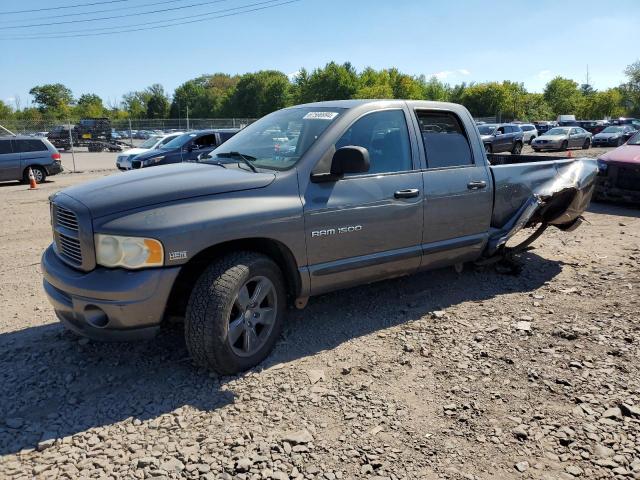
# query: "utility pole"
(187, 117)
(588, 75)
(73, 151)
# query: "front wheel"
(517, 148)
(564, 146)
(587, 144)
(235, 312)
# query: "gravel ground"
(477, 375)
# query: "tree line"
(255, 94)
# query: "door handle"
(408, 193)
(477, 185)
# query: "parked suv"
(502, 138)
(529, 132)
(184, 148)
(18, 153)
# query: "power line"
(96, 11)
(200, 19)
(97, 19)
(61, 7)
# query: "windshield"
(179, 141)
(612, 130)
(635, 140)
(558, 131)
(486, 129)
(280, 139)
(150, 142)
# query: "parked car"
(619, 173)
(563, 138)
(613, 136)
(544, 126)
(566, 120)
(501, 138)
(123, 162)
(529, 132)
(19, 153)
(373, 190)
(626, 121)
(593, 126)
(184, 148)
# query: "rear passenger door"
(458, 190)
(9, 160)
(32, 152)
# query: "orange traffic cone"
(569, 154)
(32, 180)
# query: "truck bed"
(536, 189)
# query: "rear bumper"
(605, 192)
(107, 304)
(55, 168)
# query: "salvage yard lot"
(478, 375)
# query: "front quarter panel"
(188, 227)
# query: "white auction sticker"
(320, 116)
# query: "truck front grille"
(66, 218)
(628, 178)
(66, 235)
(70, 248)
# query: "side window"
(5, 147)
(575, 131)
(385, 136)
(206, 141)
(501, 130)
(31, 146)
(166, 140)
(445, 141)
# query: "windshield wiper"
(245, 158)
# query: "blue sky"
(456, 40)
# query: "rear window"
(527, 128)
(31, 146)
(5, 146)
(445, 141)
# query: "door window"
(386, 137)
(5, 147)
(31, 146)
(205, 141)
(444, 139)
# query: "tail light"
(55, 156)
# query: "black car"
(613, 136)
(544, 127)
(501, 138)
(185, 148)
(593, 126)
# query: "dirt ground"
(477, 375)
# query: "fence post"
(73, 152)
(130, 134)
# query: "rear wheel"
(537, 150)
(517, 148)
(235, 312)
(587, 144)
(564, 146)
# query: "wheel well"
(25, 172)
(191, 271)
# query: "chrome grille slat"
(66, 218)
(67, 246)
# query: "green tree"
(333, 82)
(536, 108)
(485, 99)
(204, 95)
(135, 104)
(157, 103)
(434, 89)
(89, 105)
(258, 94)
(5, 111)
(562, 96)
(53, 99)
(631, 89)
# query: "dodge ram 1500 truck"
(306, 200)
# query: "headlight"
(153, 161)
(602, 167)
(128, 252)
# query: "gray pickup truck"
(306, 200)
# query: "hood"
(608, 135)
(134, 151)
(167, 183)
(158, 152)
(623, 154)
(552, 138)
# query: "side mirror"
(203, 157)
(350, 159)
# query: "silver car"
(563, 138)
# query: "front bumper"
(596, 142)
(546, 146)
(107, 304)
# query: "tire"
(38, 172)
(587, 144)
(517, 148)
(530, 142)
(564, 146)
(216, 304)
(537, 150)
(488, 148)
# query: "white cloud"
(293, 75)
(450, 73)
(544, 75)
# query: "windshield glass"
(558, 131)
(150, 142)
(280, 139)
(179, 141)
(486, 129)
(635, 140)
(612, 130)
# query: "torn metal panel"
(549, 192)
